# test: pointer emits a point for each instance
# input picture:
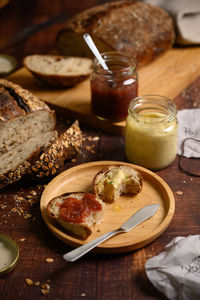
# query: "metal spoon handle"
(80, 251)
(95, 51)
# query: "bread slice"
(40, 156)
(111, 182)
(77, 212)
(134, 28)
(58, 71)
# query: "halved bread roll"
(111, 182)
(57, 70)
(77, 212)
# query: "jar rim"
(142, 108)
(128, 64)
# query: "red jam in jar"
(113, 90)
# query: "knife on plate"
(140, 216)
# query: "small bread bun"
(77, 212)
(111, 182)
(58, 71)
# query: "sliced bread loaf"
(58, 71)
(29, 143)
(77, 212)
(109, 183)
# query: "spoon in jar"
(95, 51)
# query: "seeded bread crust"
(80, 230)
(22, 102)
(49, 159)
(131, 27)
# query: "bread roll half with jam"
(77, 212)
(110, 183)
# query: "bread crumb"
(83, 294)
(22, 239)
(49, 260)
(179, 193)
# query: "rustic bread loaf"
(111, 182)
(58, 71)
(77, 212)
(134, 28)
(22, 116)
(29, 143)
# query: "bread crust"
(48, 159)
(108, 191)
(80, 230)
(16, 101)
(56, 80)
(143, 31)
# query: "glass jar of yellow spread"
(151, 132)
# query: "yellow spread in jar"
(151, 140)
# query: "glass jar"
(112, 90)
(151, 132)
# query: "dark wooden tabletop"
(94, 276)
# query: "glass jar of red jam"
(113, 89)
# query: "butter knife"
(140, 216)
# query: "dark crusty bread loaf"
(58, 71)
(134, 28)
(76, 214)
(29, 143)
(113, 181)
(22, 116)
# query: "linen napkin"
(189, 131)
(186, 16)
(176, 271)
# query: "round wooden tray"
(154, 190)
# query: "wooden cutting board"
(168, 75)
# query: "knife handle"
(80, 251)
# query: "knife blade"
(28, 31)
(137, 218)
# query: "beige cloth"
(176, 271)
(186, 15)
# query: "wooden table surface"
(95, 276)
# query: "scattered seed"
(45, 286)
(29, 281)
(44, 292)
(48, 280)
(49, 260)
(179, 193)
(36, 283)
(22, 239)
(27, 216)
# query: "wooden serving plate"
(154, 190)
